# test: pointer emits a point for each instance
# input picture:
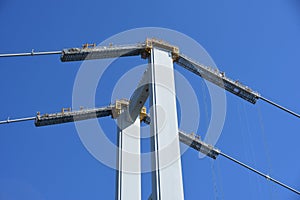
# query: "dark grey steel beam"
(79, 54)
(218, 78)
(64, 117)
(196, 143)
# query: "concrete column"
(166, 162)
(128, 163)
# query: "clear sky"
(256, 42)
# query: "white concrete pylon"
(166, 162)
(128, 159)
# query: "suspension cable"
(17, 120)
(260, 173)
(279, 106)
(32, 53)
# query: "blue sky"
(255, 41)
